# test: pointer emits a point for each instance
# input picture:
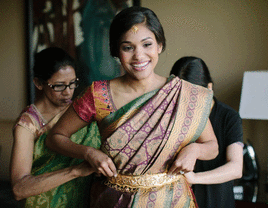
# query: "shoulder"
(89, 93)
(100, 84)
(226, 116)
(197, 93)
(228, 121)
(195, 87)
(96, 86)
(29, 119)
(226, 110)
(28, 114)
(89, 100)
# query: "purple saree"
(142, 138)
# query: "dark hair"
(49, 61)
(192, 69)
(128, 17)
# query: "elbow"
(20, 188)
(215, 151)
(49, 141)
(17, 193)
(238, 174)
(52, 141)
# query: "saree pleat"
(144, 136)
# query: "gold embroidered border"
(131, 184)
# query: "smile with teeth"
(141, 66)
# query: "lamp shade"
(254, 95)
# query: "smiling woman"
(146, 121)
(38, 175)
(139, 51)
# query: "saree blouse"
(32, 120)
(95, 103)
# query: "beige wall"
(5, 148)
(12, 59)
(230, 36)
(13, 75)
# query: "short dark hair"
(49, 61)
(192, 69)
(128, 17)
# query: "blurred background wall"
(12, 74)
(230, 36)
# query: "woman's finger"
(106, 171)
(112, 168)
(174, 168)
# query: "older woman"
(146, 121)
(41, 177)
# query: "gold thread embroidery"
(132, 184)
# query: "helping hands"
(185, 160)
(100, 162)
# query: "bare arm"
(205, 148)
(23, 183)
(230, 171)
(59, 141)
(58, 138)
(207, 144)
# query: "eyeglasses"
(62, 87)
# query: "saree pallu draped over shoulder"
(143, 137)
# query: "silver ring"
(181, 172)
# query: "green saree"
(73, 193)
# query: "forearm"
(59, 140)
(227, 172)
(31, 185)
(63, 145)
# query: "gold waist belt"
(126, 183)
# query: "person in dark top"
(213, 179)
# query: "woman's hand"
(100, 162)
(185, 160)
(190, 177)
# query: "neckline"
(111, 97)
(43, 120)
